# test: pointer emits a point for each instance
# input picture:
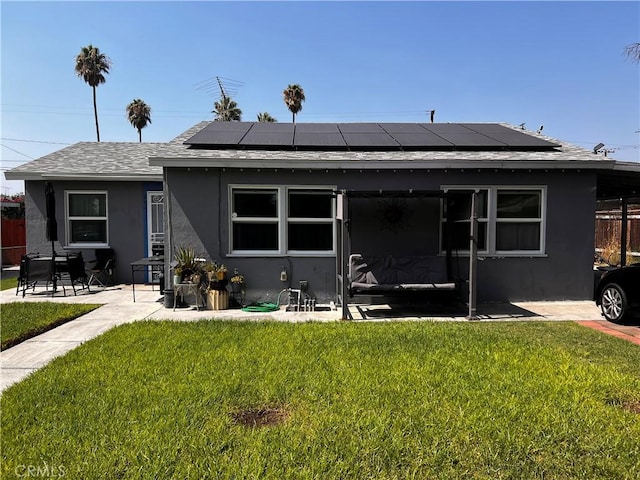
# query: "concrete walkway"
(118, 308)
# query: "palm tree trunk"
(95, 113)
(140, 134)
(294, 116)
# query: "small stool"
(189, 287)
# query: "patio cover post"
(342, 211)
(623, 232)
(473, 258)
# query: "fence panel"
(14, 240)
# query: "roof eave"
(369, 164)
(83, 177)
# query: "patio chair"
(102, 271)
(73, 271)
(33, 271)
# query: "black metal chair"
(73, 271)
(104, 265)
(34, 269)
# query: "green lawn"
(8, 282)
(22, 320)
(348, 400)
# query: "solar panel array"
(365, 136)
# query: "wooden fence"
(14, 240)
(609, 231)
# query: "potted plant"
(177, 275)
(221, 271)
(237, 281)
(209, 269)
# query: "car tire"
(613, 303)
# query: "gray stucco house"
(300, 198)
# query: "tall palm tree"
(266, 118)
(139, 114)
(293, 98)
(633, 51)
(227, 110)
(91, 66)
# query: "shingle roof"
(128, 161)
(101, 159)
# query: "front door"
(155, 225)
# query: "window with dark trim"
(280, 220)
(511, 220)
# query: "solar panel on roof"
(428, 136)
(439, 128)
(360, 128)
(220, 133)
(486, 128)
(426, 139)
(471, 139)
(271, 139)
(316, 128)
(369, 140)
(272, 127)
(402, 128)
(320, 139)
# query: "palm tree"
(266, 117)
(139, 114)
(633, 51)
(92, 65)
(293, 98)
(227, 110)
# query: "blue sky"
(557, 64)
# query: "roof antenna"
(598, 147)
(433, 114)
(522, 125)
(224, 95)
(540, 129)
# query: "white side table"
(186, 287)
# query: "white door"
(155, 224)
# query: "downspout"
(473, 259)
(168, 247)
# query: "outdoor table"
(154, 263)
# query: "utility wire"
(16, 151)
(33, 141)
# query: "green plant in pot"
(187, 263)
(177, 275)
(221, 271)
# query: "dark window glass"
(255, 236)
(310, 204)
(512, 204)
(458, 205)
(87, 205)
(460, 236)
(255, 203)
(88, 231)
(310, 237)
(518, 236)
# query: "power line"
(16, 151)
(33, 141)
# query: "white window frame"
(492, 220)
(282, 219)
(69, 218)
